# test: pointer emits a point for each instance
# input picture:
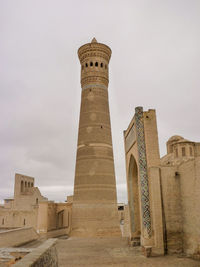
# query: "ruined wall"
(190, 198)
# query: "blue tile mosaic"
(142, 166)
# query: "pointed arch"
(133, 188)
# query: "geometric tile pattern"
(142, 162)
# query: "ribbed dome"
(175, 138)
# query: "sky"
(155, 63)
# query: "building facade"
(163, 193)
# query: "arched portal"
(134, 198)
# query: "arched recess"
(22, 186)
(134, 198)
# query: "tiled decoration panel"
(142, 166)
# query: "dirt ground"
(111, 252)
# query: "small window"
(183, 151)
(176, 152)
(25, 184)
(24, 222)
(96, 64)
(28, 184)
(191, 154)
(101, 127)
(91, 64)
(3, 221)
(86, 65)
(101, 65)
(120, 207)
(36, 200)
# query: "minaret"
(94, 211)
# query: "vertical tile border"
(142, 165)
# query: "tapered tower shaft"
(94, 211)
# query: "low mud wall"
(17, 237)
(58, 232)
(43, 256)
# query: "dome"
(175, 138)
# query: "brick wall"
(172, 208)
(190, 198)
(44, 255)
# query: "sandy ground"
(111, 252)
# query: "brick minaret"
(94, 211)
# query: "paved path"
(111, 252)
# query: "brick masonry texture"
(94, 210)
(43, 256)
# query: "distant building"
(29, 208)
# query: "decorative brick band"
(142, 162)
(85, 80)
(94, 86)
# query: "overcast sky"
(155, 63)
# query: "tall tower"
(94, 211)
